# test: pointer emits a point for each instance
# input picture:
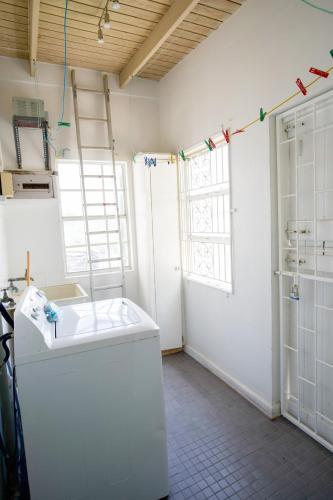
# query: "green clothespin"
(209, 146)
(182, 155)
(262, 114)
(331, 52)
(64, 124)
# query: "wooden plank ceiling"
(131, 26)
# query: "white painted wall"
(135, 126)
(253, 60)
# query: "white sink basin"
(65, 295)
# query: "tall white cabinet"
(158, 248)
(305, 168)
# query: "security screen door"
(305, 177)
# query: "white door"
(305, 168)
(165, 224)
(158, 247)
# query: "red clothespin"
(300, 85)
(226, 135)
(238, 131)
(319, 72)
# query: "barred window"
(205, 217)
(102, 218)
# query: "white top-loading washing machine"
(90, 392)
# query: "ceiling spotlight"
(107, 21)
(116, 5)
(100, 36)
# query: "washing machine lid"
(95, 317)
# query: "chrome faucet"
(5, 299)
(13, 288)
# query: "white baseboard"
(271, 411)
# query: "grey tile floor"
(220, 446)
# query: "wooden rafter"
(132, 25)
(167, 25)
(33, 33)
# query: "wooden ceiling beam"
(33, 34)
(178, 11)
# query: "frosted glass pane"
(307, 355)
(290, 322)
(325, 335)
(74, 233)
(291, 381)
(99, 252)
(324, 159)
(307, 404)
(325, 391)
(306, 304)
(93, 183)
(69, 176)
(76, 259)
(324, 112)
(92, 169)
(71, 203)
(97, 225)
(94, 197)
(325, 294)
(305, 192)
(287, 169)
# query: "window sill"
(217, 285)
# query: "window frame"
(186, 234)
(126, 216)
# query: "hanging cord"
(322, 9)
(4, 339)
(4, 313)
(61, 122)
(49, 139)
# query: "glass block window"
(102, 221)
(205, 217)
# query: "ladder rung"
(101, 204)
(99, 177)
(107, 287)
(104, 217)
(104, 232)
(106, 148)
(113, 259)
(92, 118)
(94, 91)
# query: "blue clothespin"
(150, 162)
